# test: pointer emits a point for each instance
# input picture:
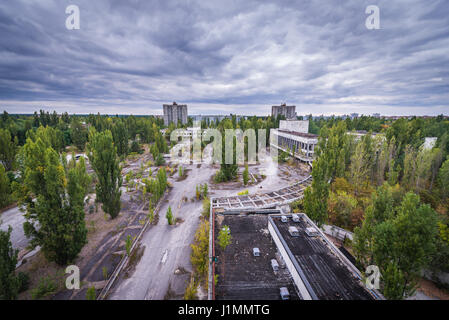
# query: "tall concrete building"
(293, 135)
(288, 111)
(174, 113)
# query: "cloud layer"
(225, 56)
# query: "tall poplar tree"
(9, 282)
(54, 202)
(120, 135)
(102, 155)
(8, 149)
(5, 190)
(78, 134)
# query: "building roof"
(328, 275)
(324, 270)
(241, 275)
(299, 134)
(284, 105)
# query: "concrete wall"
(295, 125)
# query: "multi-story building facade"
(174, 113)
(293, 137)
(289, 112)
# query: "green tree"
(282, 156)
(228, 171)
(159, 160)
(51, 137)
(440, 259)
(161, 177)
(245, 175)
(55, 220)
(224, 237)
(135, 147)
(333, 153)
(78, 180)
(316, 196)
(381, 163)
(91, 293)
(206, 208)
(151, 213)
(341, 206)
(169, 216)
(423, 164)
(394, 280)
(103, 158)
(334, 148)
(359, 169)
(443, 178)
(9, 282)
(128, 244)
(200, 249)
(120, 137)
(400, 241)
(380, 210)
(8, 149)
(205, 191)
(78, 134)
(154, 151)
(197, 192)
(409, 176)
(5, 190)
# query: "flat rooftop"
(329, 277)
(241, 276)
(299, 134)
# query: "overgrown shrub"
(45, 288)
(91, 294)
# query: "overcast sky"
(221, 57)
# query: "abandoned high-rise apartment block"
(174, 113)
(289, 112)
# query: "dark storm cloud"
(225, 56)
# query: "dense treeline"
(391, 189)
(62, 131)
